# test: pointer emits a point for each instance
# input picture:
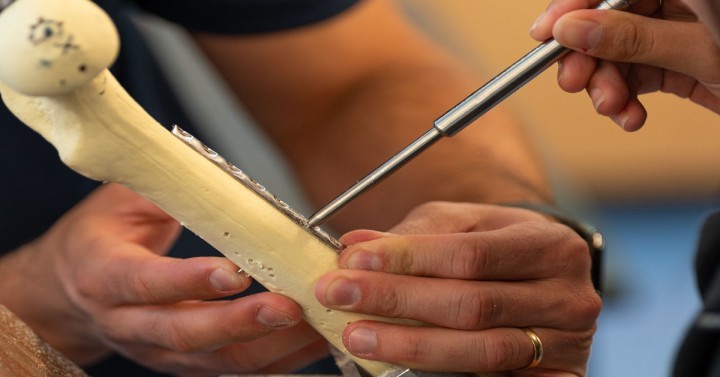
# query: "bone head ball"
(50, 47)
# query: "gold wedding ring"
(537, 347)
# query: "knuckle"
(588, 306)
(573, 246)
(584, 304)
(178, 339)
(572, 252)
(424, 216)
(402, 262)
(575, 345)
(422, 212)
(534, 231)
(413, 353)
(577, 244)
(85, 283)
(140, 288)
(583, 341)
(390, 303)
(471, 259)
(413, 350)
(499, 353)
(429, 208)
(474, 310)
(630, 41)
(86, 287)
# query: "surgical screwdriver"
(464, 113)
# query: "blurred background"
(647, 191)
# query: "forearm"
(489, 162)
(14, 273)
(20, 281)
(341, 97)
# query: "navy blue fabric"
(36, 188)
(246, 16)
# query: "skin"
(114, 241)
(623, 55)
(357, 100)
(476, 274)
(349, 100)
(708, 12)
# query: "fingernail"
(620, 119)
(358, 236)
(362, 341)
(271, 317)
(560, 70)
(224, 280)
(577, 33)
(597, 97)
(537, 22)
(342, 292)
(364, 260)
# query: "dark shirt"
(36, 188)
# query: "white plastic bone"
(102, 133)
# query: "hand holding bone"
(476, 274)
(100, 284)
(102, 133)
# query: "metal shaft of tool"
(509, 81)
(376, 176)
(460, 116)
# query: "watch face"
(56, 46)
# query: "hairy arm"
(342, 96)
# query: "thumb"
(624, 37)
(115, 210)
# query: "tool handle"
(509, 81)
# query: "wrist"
(32, 289)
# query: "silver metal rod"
(463, 114)
(499, 88)
(509, 81)
(375, 177)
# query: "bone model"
(54, 77)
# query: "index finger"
(450, 217)
(541, 30)
(530, 250)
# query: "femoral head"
(51, 47)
